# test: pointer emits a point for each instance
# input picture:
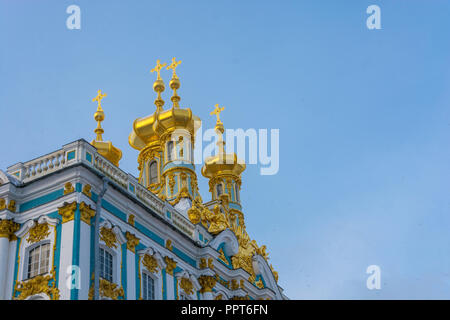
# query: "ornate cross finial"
(158, 68)
(99, 98)
(217, 112)
(173, 66)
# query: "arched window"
(38, 260)
(169, 150)
(106, 265)
(219, 189)
(148, 287)
(153, 172)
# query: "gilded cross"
(173, 66)
(99, 98)
(158, 68)
(217, 112)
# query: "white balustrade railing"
(58, 160)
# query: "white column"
(131, 275)
(65, 258)
(10, 273)
(85, 260)
(170, 287)
(4, 255)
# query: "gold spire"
(174, 83)
(158, 85)
(99, 116)
(219, 129)
(105, 148)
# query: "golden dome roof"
(150, 129)
(222, 163)
(105, 148)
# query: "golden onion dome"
(105, 148)
(152, 128)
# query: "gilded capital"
(150, 263)
(132, 241)
(108, 237)
(8, 228)
(207, 283)
(187, 286)
(86, 212)
(171, 265)
(67, 211)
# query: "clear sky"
(364, 118)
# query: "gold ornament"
(87, 190)
(150, 263)
(187, 286)
(39, 284)
(132, 241)
(202, 264)
(2, 204)
(8, 228)
(107, 289)
(67, 211)
(207, 283)
(234, 284)
(169, 244)
(131, 219)
(86, 213)
(108, 237)
(171, 265)
(68, 188)
(38, 232)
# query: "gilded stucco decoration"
(38, 232)
(150, 263)
(171, 265)
(8, 228)
(40, 284)
(68, 188)
(187, 285)
(86, 213)
(107, 289)
(207, 283)
(87, 190)
(132, 241)
(67, 211)
(108, 236)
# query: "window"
(169, 150)
(148, 287)
(38, 260)
(236, 189)
(219, 189)
(153, 172)
(106, 265)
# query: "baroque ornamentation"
(171, 265)
(108, 237)
(67, 211)
(234, 284)
(68, 188)
(2, 204)
(187, 285)
(215, 221)
(87, 190)
(86, 213)
(12, 206)
(207, 283)
(131, 219)
(8, 228)
(38, 232)
(107, 289)
(259, 283)
(202, 264)
(169, 244)
(39, 284)
(132, 241)
(150, 263)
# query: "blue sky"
(364, 119)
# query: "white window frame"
(28, 249)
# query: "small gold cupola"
(105, 148)
(223, 170)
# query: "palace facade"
(73, 225)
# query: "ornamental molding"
(151, 252)
(111, 235)
(188, 276)
(231, 244)
(67, 211)
(86, 213)
(27, 226)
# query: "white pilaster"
(67, 231)
(4, 255)
(131, 275)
